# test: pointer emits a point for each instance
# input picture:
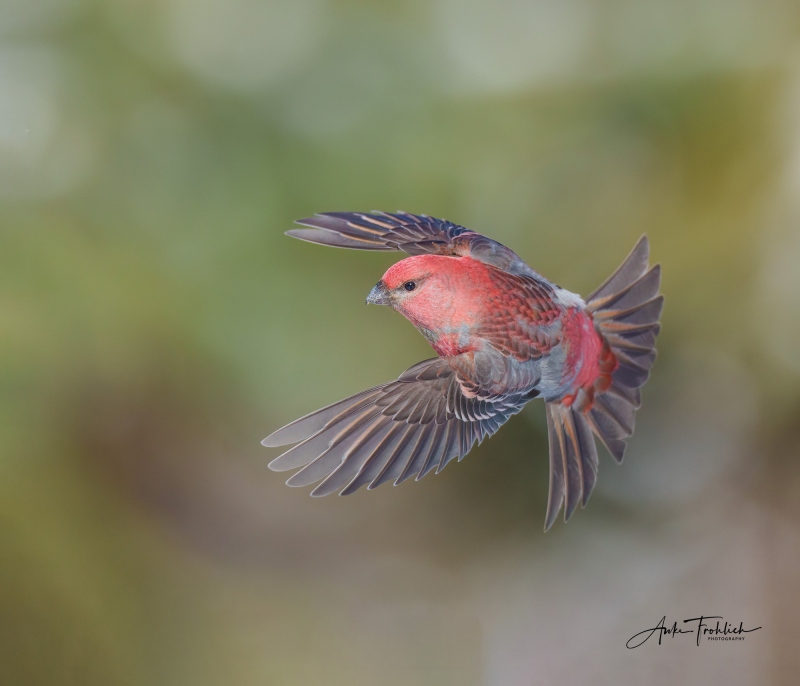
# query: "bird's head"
(431, 291)
(404, 283)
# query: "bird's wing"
(433, 413)
(411, 233)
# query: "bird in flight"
(503, 335)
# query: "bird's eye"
(409, 285)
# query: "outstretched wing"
(433, 413)
(411, 233)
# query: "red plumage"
(504, 335)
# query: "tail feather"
(638, 337)
(632, 395)
(622, 412)
(634, 266)
(626, 309)
(644, 359)
(573, 461)
(557, 470)
(630, 375)
(604, 429)
(638, 316)
(570, 453)
(642, 290)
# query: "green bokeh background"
(155, 324)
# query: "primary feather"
(504, 335)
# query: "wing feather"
(376, 461)
(310, 448)
(354, 458)
(419, 453)
(310, 424)
(398, 459)
(410, 233)
(437, 446)
(405, 428)
(327, 460)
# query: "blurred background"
(156, 324)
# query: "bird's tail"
(626, 309)
(573, 460)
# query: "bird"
(503, 335)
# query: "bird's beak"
(378, 295)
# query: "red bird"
(504, 335)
